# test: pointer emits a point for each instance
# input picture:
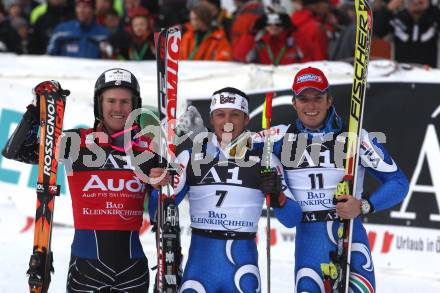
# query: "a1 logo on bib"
(212, 176)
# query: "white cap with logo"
(229, 100)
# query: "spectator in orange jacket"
(204, 40)
(274, 41)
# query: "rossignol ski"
(337, 272)
(51, 121)
(168, 230)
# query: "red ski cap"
(309, 78)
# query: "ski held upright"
(168, 230)
(52, 106)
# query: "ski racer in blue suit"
(225, 188)
(310, 151)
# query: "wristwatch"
(365, 207)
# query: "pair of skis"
(169, 254)
(337, 272)
(52, 107)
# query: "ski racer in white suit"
(225, 188)
(308, 149)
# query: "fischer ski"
(52, 107)
(169, 255)
(337, 272)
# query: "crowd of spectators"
(310, 30)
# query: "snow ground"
(16, 247)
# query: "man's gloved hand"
(270, 183)
(191, 122)
(50, 86)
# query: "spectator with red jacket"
(136, 44)
(317, 23)
(203, 40)
(243, 20)
(274, 41)
(129, 5)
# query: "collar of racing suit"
(332, 124)
(236, 149)
(122, 140)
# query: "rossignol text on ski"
(52, 107)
